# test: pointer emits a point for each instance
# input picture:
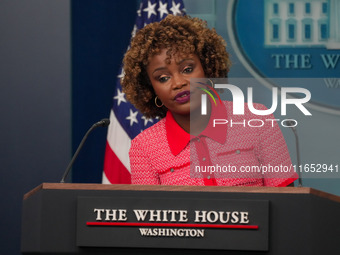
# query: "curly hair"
(177, 34)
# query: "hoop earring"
(159, 106)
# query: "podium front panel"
(61, 219)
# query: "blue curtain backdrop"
(101, 31)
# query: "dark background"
(59, 60)
(101, 31)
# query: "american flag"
(126, 121)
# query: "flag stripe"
(105, 180)
(119, 144)
(114, 170)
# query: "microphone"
(291, 125)
(102, 123)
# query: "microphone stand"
(102, 123)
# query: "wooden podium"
(132, 219)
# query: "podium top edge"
(132, 187)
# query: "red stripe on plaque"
(177, 225)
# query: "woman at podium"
(169, 73)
